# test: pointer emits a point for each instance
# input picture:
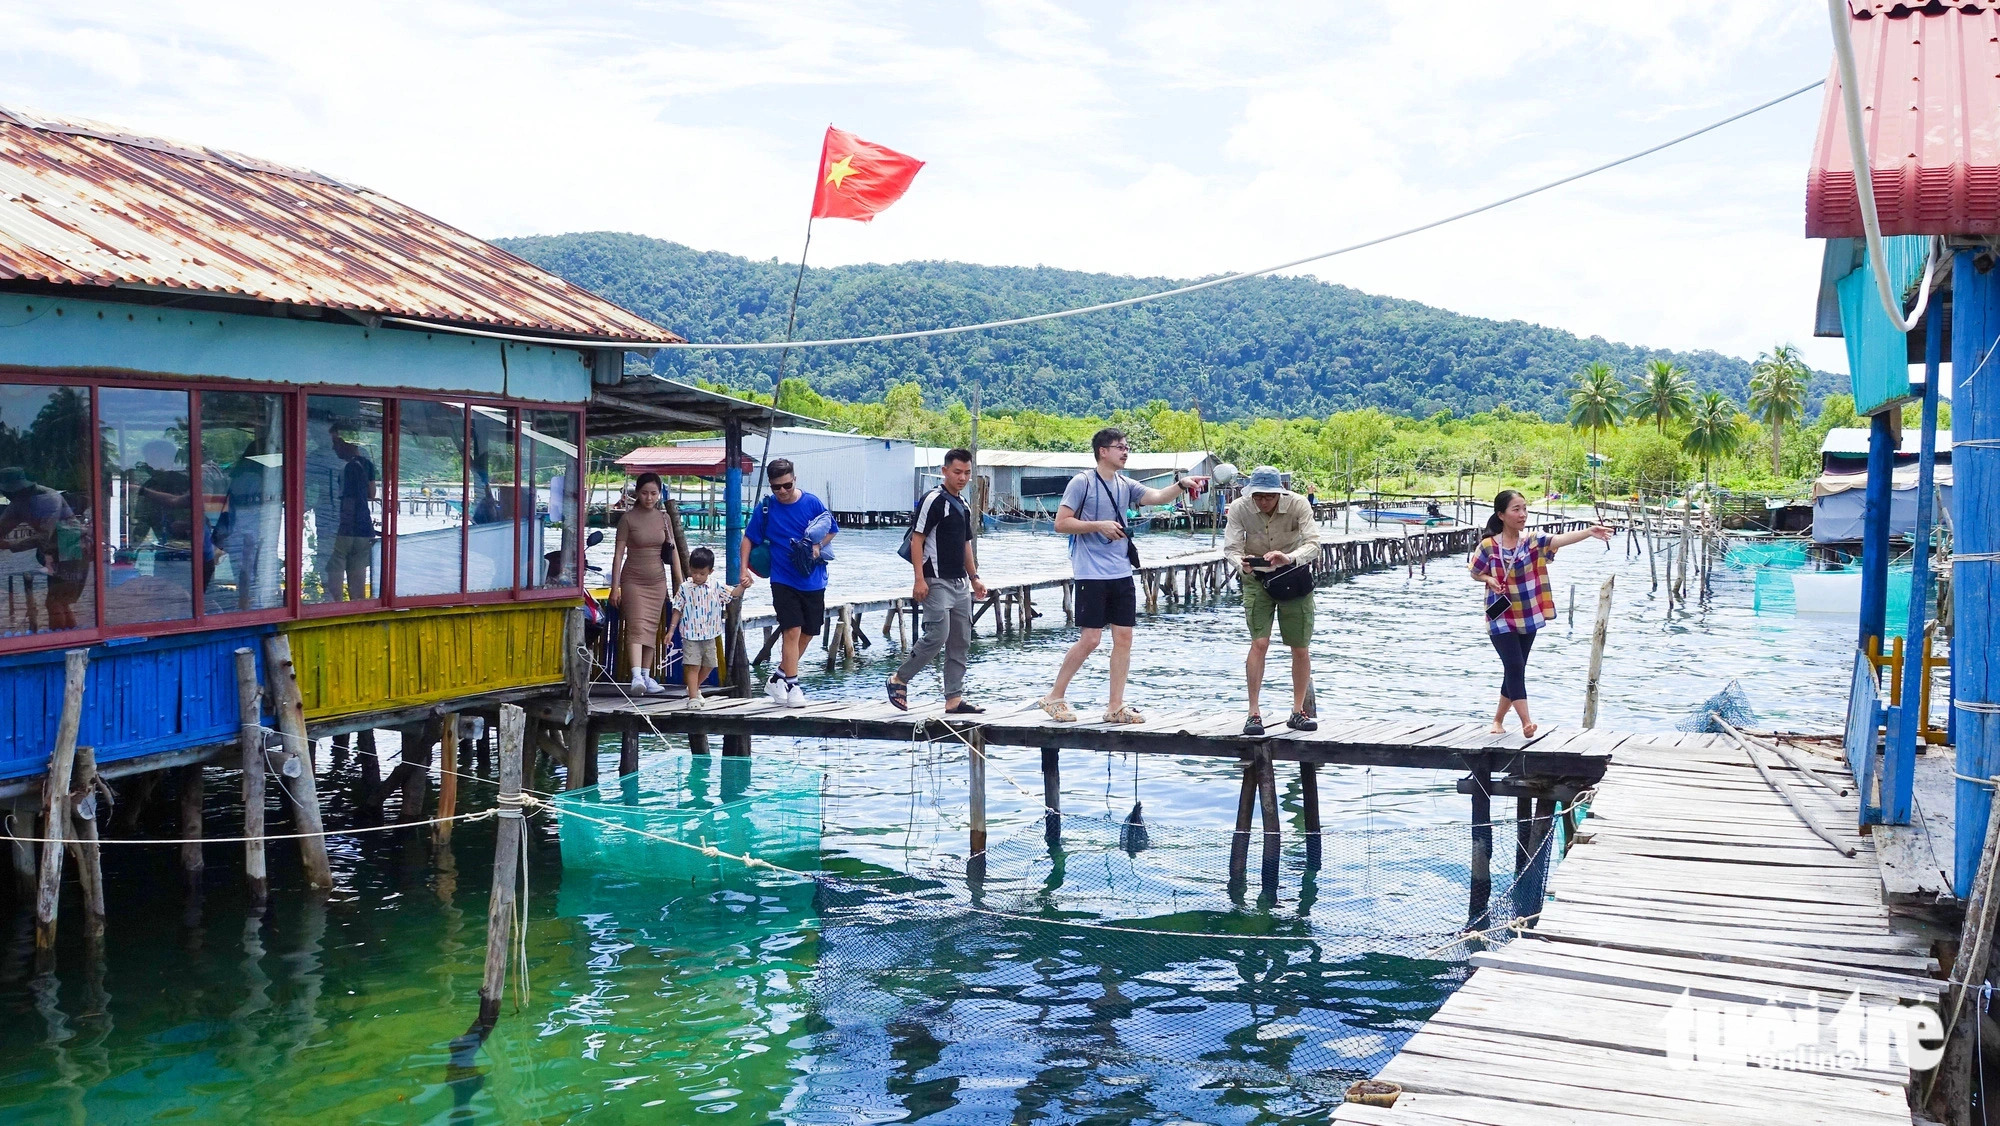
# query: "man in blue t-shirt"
(798, 578)
(1092, 515)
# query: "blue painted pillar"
(1875, 529)
(732, 452)
(1975, 501)
(1900, 762)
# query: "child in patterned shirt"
(698, 611)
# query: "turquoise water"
(697, 1000)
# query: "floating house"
(1905, 188)
(863, 479)
(241, 401)
(1032, 481)
(1838, 510)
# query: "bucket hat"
(1264, 479)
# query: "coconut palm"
(1712, 430)
(1596, 404)
(1778, 393)
(1664, 395)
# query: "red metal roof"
(1930, 78)
(84, 204)
(679, 461)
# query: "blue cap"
(1264, 479)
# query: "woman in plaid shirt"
(1514, 565)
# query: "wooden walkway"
(1690, 877)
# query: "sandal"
(1125, 714)
(1300, 721)
(1254, 725)
(1058, 710)
(965, 707)
(899, 695)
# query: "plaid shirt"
(1524, 574)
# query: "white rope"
(1227, 279)
(1986, 782)
(1976, 707)
(1864, 182)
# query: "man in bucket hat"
(1272, 529)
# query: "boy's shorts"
(700, 654)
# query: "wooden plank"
(1752, 985)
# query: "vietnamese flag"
(858, 179)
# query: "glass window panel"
(46, 584)
(243, 470)
(548, 468)
(430, 497)
(148, 506)
(343, 494)
(491, 539)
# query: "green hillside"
(1268, 346)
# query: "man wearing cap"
(1272, 528)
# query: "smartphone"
(1497, 607)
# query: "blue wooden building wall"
(141, 696)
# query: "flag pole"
(791, 323)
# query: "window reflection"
(430, 497)
(45, 510)
(554, 516)
(148, 504)
(344, 499)
(489, 562)
(243, 470)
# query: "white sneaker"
(654, 686)
(794, 698)
(638, 684)
(775, 688)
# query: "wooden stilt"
(1239, 842)
(192, 862)
(447, 781)
(1267, 799)
(1052, 794)
(371, 764)
(506, 866)
(1524, 828)
(1597, 636)
(1478, 913)
(1309, 794)
(413, 774)
(576, 666)
(82, 808)
(55, 798)
(299, 782)
(628, 753)
(975, 758)
(26, 821)
(250, 742)
(698, 743)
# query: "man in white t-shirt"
(1092, 515)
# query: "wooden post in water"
(1267, 800)
(1478, 914)
(25, 825)
(628, 752)
(506, 865)
(1309, 795)
(55, 804)
(302, 787)
(1052, 794)
(447, 783)
(975, 760)
(576, 675)
(1962, 1009)
(190, 824)
(83, 833)
(1597, 635)
(250, 741)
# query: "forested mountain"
(1267, 346)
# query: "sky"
(1158, 138)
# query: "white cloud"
(1174, 138)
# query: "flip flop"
(899, 695)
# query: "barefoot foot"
(1528, 730)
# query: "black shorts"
(1106, 602)
(803, 610)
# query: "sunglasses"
(783, 486)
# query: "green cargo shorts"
(1295, 618)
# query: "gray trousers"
(947, 626)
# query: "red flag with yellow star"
(857, 178)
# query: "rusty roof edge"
(101, 132)
(553, 337)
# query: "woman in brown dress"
(639, 578)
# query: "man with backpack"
(794, 559)
(939, 548)
(1102, 559)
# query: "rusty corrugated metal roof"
(84, 204)
(1931, 96)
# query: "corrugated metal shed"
(928, 457)
(84, 204)
(1932, 100)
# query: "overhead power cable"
(1211, 283)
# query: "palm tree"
(1666, 394)
(1712, 430)
(1596, 404)
(1778, 393)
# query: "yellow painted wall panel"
(403, 658)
